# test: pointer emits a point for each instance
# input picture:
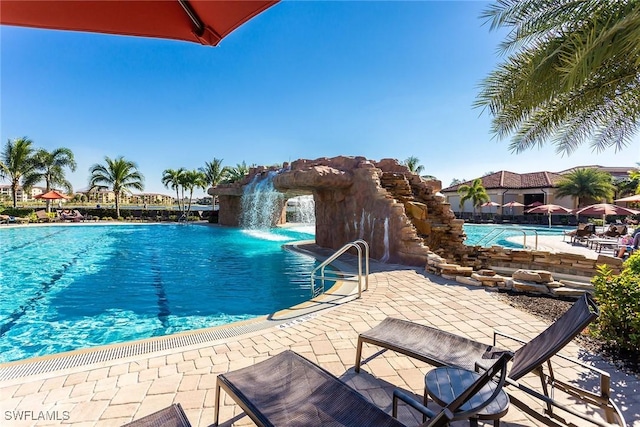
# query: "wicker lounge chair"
(440, 348)
(289, 390)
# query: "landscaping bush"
(618, 297)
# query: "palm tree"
(474, 192)
(571, 74)
(49, 167)
(588, 184)
(171, 178)
(237, 173)
(214, 173)
(413, 164)
(634, 176)
(190, 180)
(118, 174)
(16, 163)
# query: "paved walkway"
(115, 392)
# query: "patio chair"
(172, 416)
(289, 390)
(440, 348)
(582, 233)
(18, 220)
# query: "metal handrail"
(501, 231)
(358, 245)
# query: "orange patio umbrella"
(51, 195)
(200, 21)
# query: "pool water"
(507, 235)
(70, 287)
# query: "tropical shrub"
(618, 297)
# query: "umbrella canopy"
(51, 195)
(535, 204)
(605, 209)
(550, 209)
(489, 204)
(512, 204)
(200, 21)
(635, 198)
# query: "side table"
(444, 384)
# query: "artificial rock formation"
(393, 209)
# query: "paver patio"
(114, 392)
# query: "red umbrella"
(489, 205)
(635, 198)
(51, 195)
(535, 204)
(200, 21)
(550, 209)
(512, 204)
(605, 209)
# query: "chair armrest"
(497, 334)
(406, 398)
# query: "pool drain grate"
(135, 349)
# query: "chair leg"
(425, 401)
(216, 409)
(358, 356)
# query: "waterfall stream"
(261, 203)
(304, 209)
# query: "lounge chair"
(43, 216)
(440, 348)
(615, 230)
(582, 233)
(17, 220)
(289, 390)
(4, 219)
(172, 416)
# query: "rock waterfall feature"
(394, 210)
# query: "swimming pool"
(507, 235)
(71, 287)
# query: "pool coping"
(55, 364)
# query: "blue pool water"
(70, 287)
(507, 235)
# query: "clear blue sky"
(301, 80)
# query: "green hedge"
(618, 297)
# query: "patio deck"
(114, 392)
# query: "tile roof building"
(525, 188)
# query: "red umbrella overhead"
(51, 195)
(535, 204)
(200, 21)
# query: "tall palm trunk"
(117, 194)
(14, 192)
